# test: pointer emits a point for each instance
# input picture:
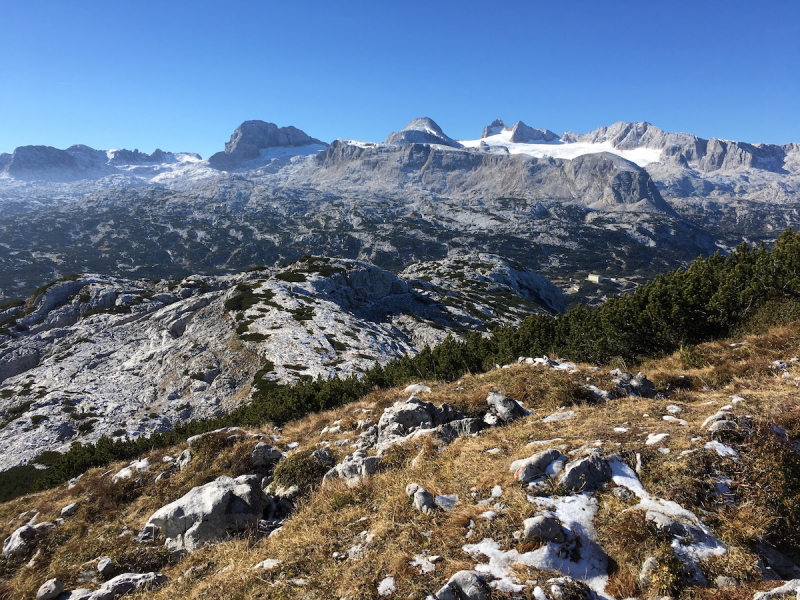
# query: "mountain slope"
(731, 489)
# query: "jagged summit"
(519, 133)
(422, 131)
(251, 137)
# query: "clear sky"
(182, 75)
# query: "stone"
(446, 502)
(722, 426)
(19, 542)
(421, 499)
(268, 564)
(725, 582)
(528, 469)
(106, 567)
(464, 585)
(69, 510)
(543, 528)
(567, 588)
(417, 388)
(406, 418)
(719, 416)
(354, 468)
(50, 589)
(648, 566)
(585, 474)
(265, 455)
(184, 458)
(505, 409)
(128, 582)
(667, 524)
(210, 512)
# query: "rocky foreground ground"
(542, 479)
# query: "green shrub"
(291, 277)
(301, 469)
(36, 419)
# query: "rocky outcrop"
(210, 512)
(19, 542)
(251, 137)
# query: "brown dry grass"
(332, 519)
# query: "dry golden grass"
(332, 520)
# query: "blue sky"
(182, 75)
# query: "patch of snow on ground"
(721, 449)
(386, 587)
(654, 438)
(576, 513)
(623, 476)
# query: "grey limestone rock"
(354, 468)
(543, 528)
(265, 455)
(106, 566)
(128, 582)
(585, 474)
(421, 499)
(464, 585)
(528, 469)
(505, 409)
(69, 509)
(49, 590)
(210, 512)
(253, 136)
(19, 542)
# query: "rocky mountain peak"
(251, 137)
(493, 128)
(422, 131)
(520, 133)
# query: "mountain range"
(627, 201)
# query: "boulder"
(722, 426)
(719, 416)
(421, 498)
(544, 528)
(408, 417)
(69, 510)
(528, 469)
(503, 409)
(50, 589)
(184, 458)
(106, 567)
(19, 542)
(464, 585)
(210, 512)
(585, 474)
(128, 582)
(265, 455)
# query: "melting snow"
(386, 586)
(576, 513)
(654, 438)
(624, 476)
(721, 449)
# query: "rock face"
(210, 512)
(422, 131)
(251, 137)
